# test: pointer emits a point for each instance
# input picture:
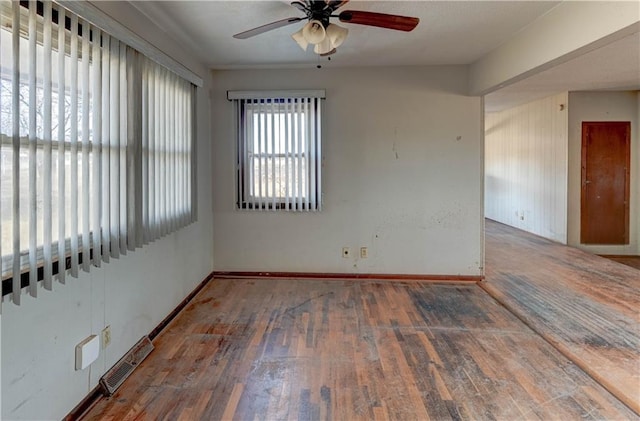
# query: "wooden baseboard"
(156, 331)
(403, 277)
(85, 405)
(619, 256)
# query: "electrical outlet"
(364, 252)
(106, 336)
(346, 252)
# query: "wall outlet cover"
(364, 252)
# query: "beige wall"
(568, 30)
(526, 167)
(603, 106)
(402, 176)
(131, 294)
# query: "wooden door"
(606, 153)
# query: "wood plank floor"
(586, 305)
(350, 350)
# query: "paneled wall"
(526, 167)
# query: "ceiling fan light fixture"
(323, 47)
(314, 32)
(336, 34)
(329, 53)
(300, 39)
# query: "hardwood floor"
(586, 305)
(347, 350)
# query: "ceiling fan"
(324, 35)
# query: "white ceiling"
(615, 66)
(450, 32)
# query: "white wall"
(570, 29)
(132, 294)
(402, 176)
(603, 106)
(526, 167)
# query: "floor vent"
(113, 378)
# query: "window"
(279, 150)
(95, 147)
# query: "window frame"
(305, 153)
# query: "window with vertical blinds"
(279, 158)
(96, 147)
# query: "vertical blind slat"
(33, 193)
(114, 158)
(153, 152)
(259, 154)
(157, 154)
(311, 157)
(172, 155)
(134, 154)
(15, 106)
(181, 137)
(163, 156)
(241, 183)
(272, 158)
(105, 156)
(96, 77)
(47, 139)
(73, 140)
(305, 157)
(2, 123)
(299, 154)
(61, 150)
(191, 141)
(144, 177)
(287, 154)
(86, 83)
(122, 150)
(179, 133)
(248, 141)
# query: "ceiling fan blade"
(268, 27)
(336, 4)
(300, 6)
(382, 20)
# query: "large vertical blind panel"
(279, 152)
(166, 168)
(96, 144)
